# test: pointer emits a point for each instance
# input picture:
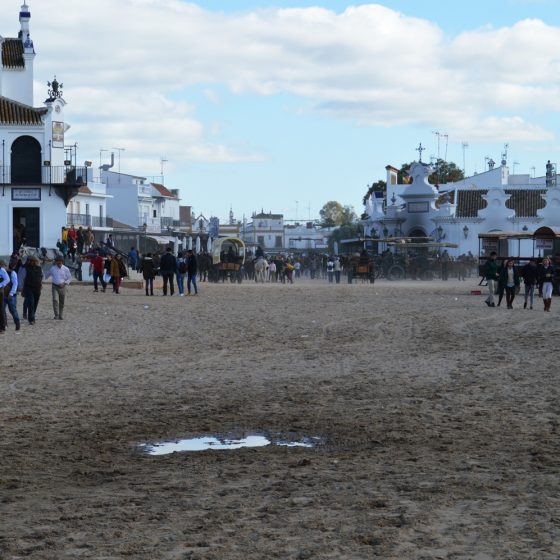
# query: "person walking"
(148, 270)
(31, 280)
(98, 269)
(182, 270)
(501, 282)
(118, 272)
(330, 269)
(61, 278)
(4, 283)
(547, 277)
(337, 269)
(529, 274)
(10, 296)
(168, 269)
(509, 279)
(192, 270)
(491, 274)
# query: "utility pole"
(163, 162)
(119, 164)
(465, 146)
(437, 133)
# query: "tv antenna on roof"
(119, 161)
(504, 154)
(163, 162)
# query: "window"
(87, 209)
(155, 214)
(278, 242)
(260, 240)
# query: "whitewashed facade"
(493, 201)
(36, 179)
(136, 202)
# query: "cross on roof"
(420, 149)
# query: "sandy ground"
(439, 419)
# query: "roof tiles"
(12, 112)
(12, 53)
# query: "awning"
(162, 239)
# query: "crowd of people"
(538, 275)
(26, 278)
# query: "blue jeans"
(11, 304)
(181, 282)
(192, 280)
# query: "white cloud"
(124, 62)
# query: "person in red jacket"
(97, 266)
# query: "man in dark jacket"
(32, 286)
(529, 273)
(491, 275)
(168, 269)
(192, 269)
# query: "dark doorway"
(26, 161)
(26, 227)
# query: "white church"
(38, 178)
(495, 201)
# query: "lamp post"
(466, 231)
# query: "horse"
(260, 269)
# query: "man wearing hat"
(61, 277)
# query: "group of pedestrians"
(17, 277)
(505, 279)
(170, 268)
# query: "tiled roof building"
(12, 112)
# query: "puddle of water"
(214, 443)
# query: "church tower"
(16, 70)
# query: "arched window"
(26, 161)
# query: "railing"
(43, 175)
(87, 220)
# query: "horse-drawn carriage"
(360, 267)
(228, 258)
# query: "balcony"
(65, 180)
(87, 220)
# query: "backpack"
(183, 266)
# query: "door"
(26, 228)
(26, 161)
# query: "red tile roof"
(84, 190)
(12, 54)
(12, 112)
(163, 191)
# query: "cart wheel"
(396, 272)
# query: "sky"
(282, 106)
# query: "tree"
(335, 214)
(445, 172)
(378, 186)
(346, 231)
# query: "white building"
(271, 233)
(36, 180)
(134, 201)
(89, 207)
(492, 201)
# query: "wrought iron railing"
(43, 175)
(87, 220)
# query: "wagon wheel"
(426, 275)
(396, 272)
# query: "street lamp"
(466, 231)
